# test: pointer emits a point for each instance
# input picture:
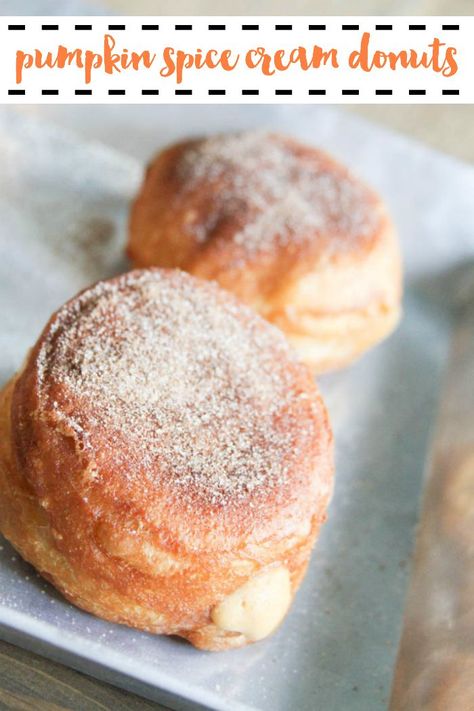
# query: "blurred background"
(448, 128)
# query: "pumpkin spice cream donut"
(282, 226)
(165, 461)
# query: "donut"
(165, 460)
(282, 226)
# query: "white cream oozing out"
(257, 607)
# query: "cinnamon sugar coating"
(285, 228)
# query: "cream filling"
(257, 607)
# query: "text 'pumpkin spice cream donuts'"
(165, 461)
(282, 226)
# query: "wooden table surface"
(31, 683)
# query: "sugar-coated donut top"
(176, 383)
(282, 192)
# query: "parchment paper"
(435, 668)
(63, 206)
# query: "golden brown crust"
(111, 526)
(282, 226)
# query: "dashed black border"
(219, 27)
(223, 92)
